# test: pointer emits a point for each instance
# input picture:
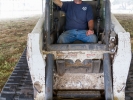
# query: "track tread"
(19, 84)
(129, 84)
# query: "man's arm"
(91, 26)
(58, 3)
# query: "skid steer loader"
(78, 71)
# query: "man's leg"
(67, 37)
(87, 39)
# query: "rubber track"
(19, 84)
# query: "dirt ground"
(13, 37)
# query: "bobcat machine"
(76, 71)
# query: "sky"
(21, 8)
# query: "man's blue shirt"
(77, 15)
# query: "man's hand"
(58, 3)
(89, 32)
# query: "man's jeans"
(73, 35)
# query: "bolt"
(38, 86)
(112, 39)
(112, 50)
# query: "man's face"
(78, 1)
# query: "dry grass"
(127, 22)
(13, 37)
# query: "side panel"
(36, 63)
(121, 65)
(117, 26)
(121, 61)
